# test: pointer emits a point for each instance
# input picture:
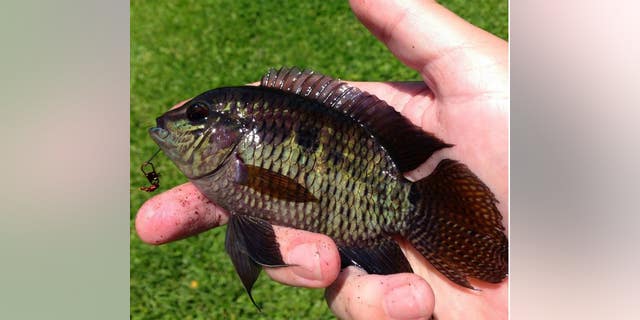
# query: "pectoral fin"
(384, 258)
(271, 183)
(251, 243)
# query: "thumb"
(453, 56)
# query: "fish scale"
(252, 152)
(306, 151)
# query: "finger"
(358, 295)
(183, 211)
(176, 214)
(427, 37)
(314, 258)
(179, 104)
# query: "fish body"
(306, 151)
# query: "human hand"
(463, 100)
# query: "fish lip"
(158, 133)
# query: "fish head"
(198, 137)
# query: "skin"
(464, 100)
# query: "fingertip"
(337, 296)
(179, 104)
(427, 37)
(145, 224)
(357, 295)
(410, 298)
(313, 258)
(176, 214)
(323, 268)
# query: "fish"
(307, 151)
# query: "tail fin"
(457, 226)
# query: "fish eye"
(197, 112)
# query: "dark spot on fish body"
(308, 138)
(414, 196)
(335, 157)
(275, 101)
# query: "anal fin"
(251, 243)
(386, 257)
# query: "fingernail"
(406, 302)
(306, 258)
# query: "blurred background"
(182, 48)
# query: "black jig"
(152, 175)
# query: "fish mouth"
(162, 138)
(158, 134)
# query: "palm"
(478, 127)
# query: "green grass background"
(182, 48)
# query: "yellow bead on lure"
(306, 151)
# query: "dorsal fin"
(407, 144)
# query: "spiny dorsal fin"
(407, 144)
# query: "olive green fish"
(306, 151)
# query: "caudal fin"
(457, 226)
